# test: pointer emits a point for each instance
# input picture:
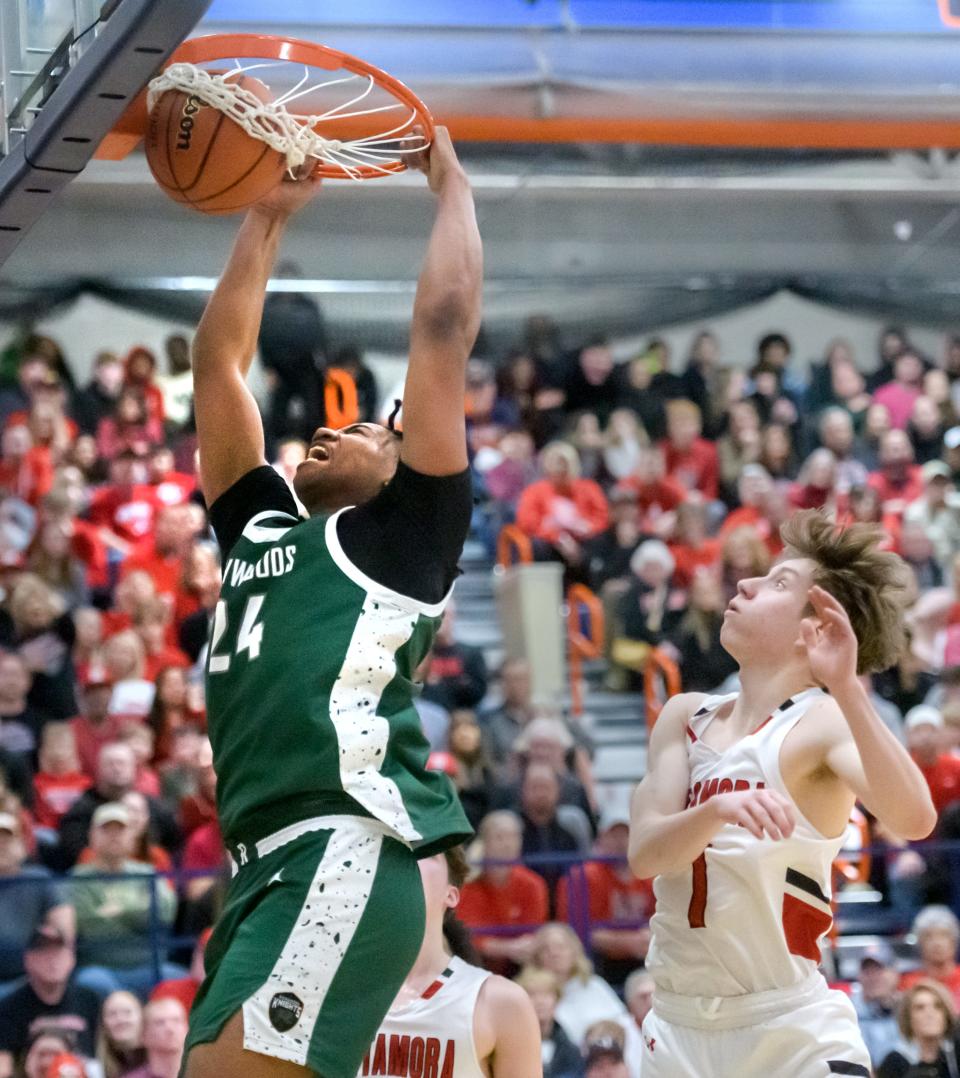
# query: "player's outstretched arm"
(667, 836)
(506, 1030)
(229, 427)
(866, 757)
(446, 318)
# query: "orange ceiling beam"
(842, 133)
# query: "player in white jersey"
(452, 1019)
(744, 806)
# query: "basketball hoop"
(339, 121)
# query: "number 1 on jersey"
(696, 913)
(248, 638)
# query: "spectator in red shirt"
(561, 511)
(937, 932)
(924, 729)
(129, 429)
(161, 556)
(127, 503)
(26, 471)
(658, 497)
(185, 988)
(898, 480)
(753, 487)
(611, 893)
(152, 623)
(172, 487)
(59, 782)
(204, 853)
(691, 460)
(94, 727)
(135, 590)
(507, 896)
(141, 367)
(691, 549)
(815, 484)
(200, 807)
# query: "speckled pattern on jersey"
(310, 691)
(313, 945)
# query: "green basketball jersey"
(310, 691)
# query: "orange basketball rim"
(367, 142)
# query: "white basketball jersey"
(432, 1037)
(749, 914)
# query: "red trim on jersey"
(764, 723)
(803, 925)
(690, 733)
(431, 990)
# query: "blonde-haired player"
(744, 807)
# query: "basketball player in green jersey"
(324, 800)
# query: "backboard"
(68, 70)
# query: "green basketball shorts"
(322, 923)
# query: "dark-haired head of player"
(346, 467)
(762, 624)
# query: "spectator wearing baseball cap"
(115, 918)
(50, 996)
(875, 998)
(937, 511)
(33, 899)
(603, 1052)
(924, 729)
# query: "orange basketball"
(204, 159)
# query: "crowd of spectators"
(658, 484)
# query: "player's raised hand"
(830, 641)
(438, 161)
(293, 193)
(761, 812)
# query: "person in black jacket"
(293, 347)
(560, 1056)
(116, 772)
(928, 1022)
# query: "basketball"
(204, 159)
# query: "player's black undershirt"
(408, 538)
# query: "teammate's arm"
(506, 1030)
(870, 761)
(229, 428)
(446, 318)
(665, 835)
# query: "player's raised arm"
(665, 834)
(446, 318)
(229, 426)
(868, 759)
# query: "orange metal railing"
(513, 546)
(582, 645)
(661, 680)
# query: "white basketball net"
(292, 134)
